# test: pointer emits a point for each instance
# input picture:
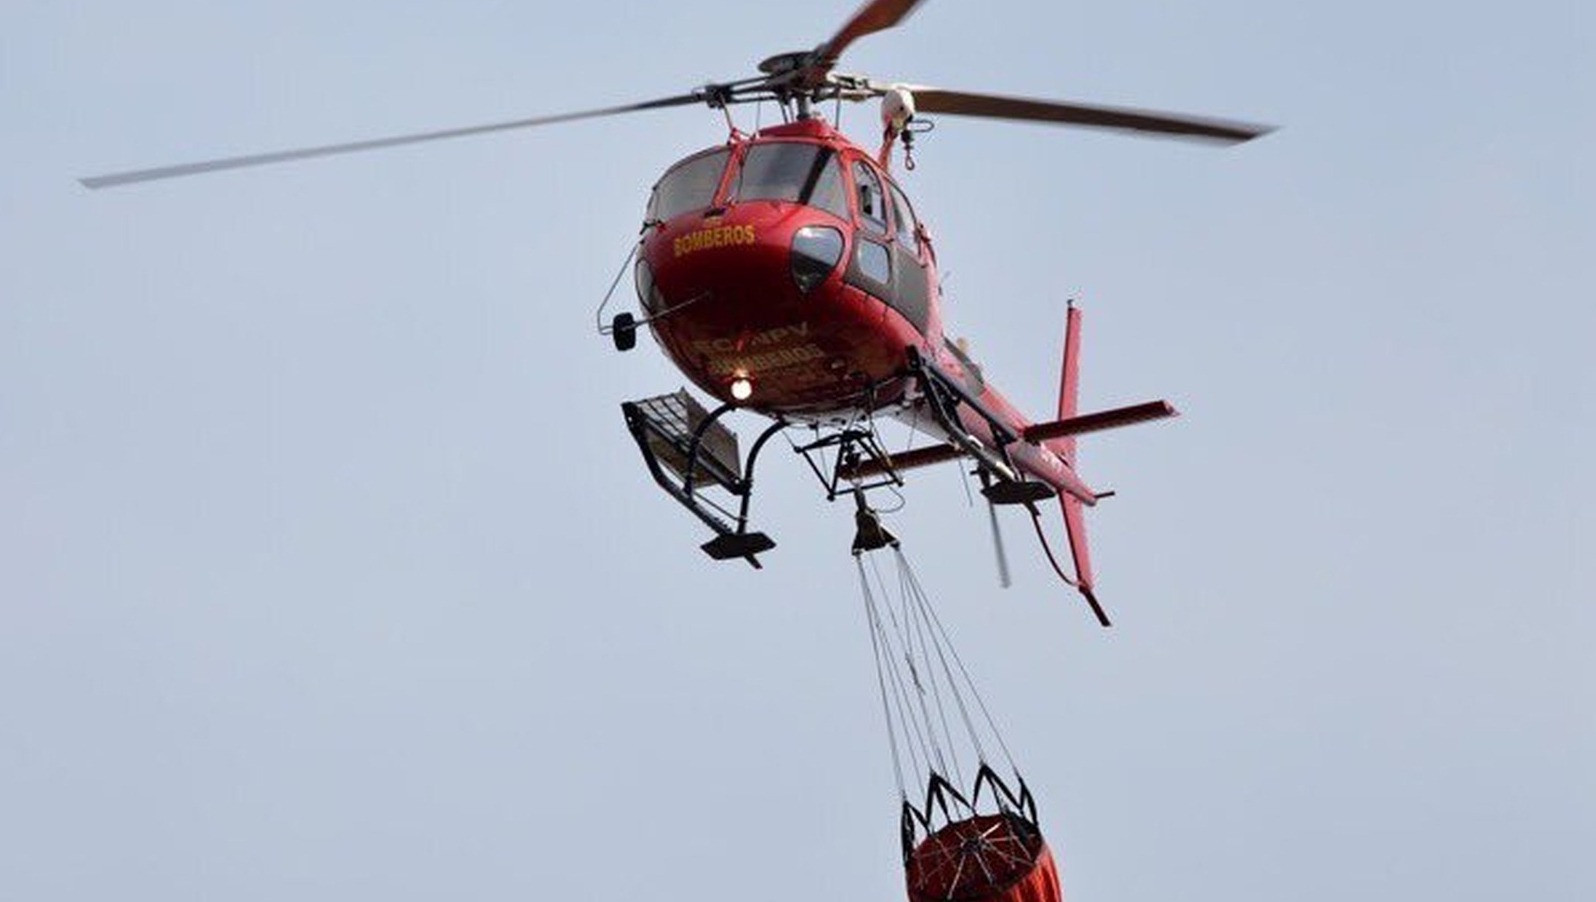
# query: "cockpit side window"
(689, 186)
(872, 202)
(792, 171)
(903, 216)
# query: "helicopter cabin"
(815, 217)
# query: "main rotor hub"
(798, 73)
(783, 63)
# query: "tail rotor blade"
(997, 546)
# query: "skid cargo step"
(671, 424)
(692, 455)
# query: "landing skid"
(691, 455)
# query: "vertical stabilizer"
(1069, 390)
(1069, 387)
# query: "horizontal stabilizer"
(1097, 422)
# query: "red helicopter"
(785, 273)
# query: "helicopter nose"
(754, 257)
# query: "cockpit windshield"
(792, 171)
(690, 186)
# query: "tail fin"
(1069, 388)
(1074, 510)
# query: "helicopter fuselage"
(786, 273)
(782, 275)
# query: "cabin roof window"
(792, 171)
(690, 185)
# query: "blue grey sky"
(328, 570)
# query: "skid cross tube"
(747, 482)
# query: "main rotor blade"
(994, 106)
(873, 16)
(305, 153)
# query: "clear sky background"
(328, 570)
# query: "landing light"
(742, 388)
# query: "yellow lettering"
(714, 236)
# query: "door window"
(872, 202)
(874, 261)
(903, 222)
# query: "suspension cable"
(924, 727)
(919, 676)
(942, 631)
(912, 727)
(907, 594)
(881, 682)
(913, 592)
